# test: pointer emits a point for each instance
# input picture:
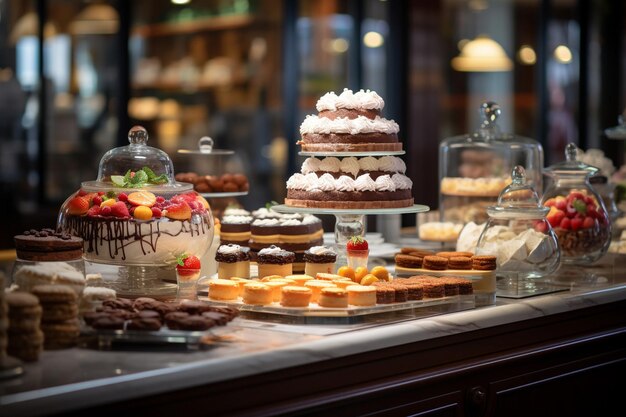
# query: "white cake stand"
(349, 222)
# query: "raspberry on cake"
(349, 123)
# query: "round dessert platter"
(224, 194)
(349, 222)
(136, 219)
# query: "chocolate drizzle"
(117, 234)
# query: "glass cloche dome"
(577, 213)
(135, 214)
(518, 232)
(474, 168)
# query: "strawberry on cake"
(349, 122)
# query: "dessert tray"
(224, 194)
(137, 339)
(315, 313)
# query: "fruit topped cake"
(135, 213)
(139, 227)
(349, 122)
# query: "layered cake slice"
(275, 261)
(349, 122)
(351, 183)
(235, 229)
(293, 232)
(233, 261)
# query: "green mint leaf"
(150, 173)
(161, 179)
(118, 180)
(127, 177)
(580, 206)
(140, 179)
(180, 259)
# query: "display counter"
(548, 354)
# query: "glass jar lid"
(617, 132)
(137, 166)
(205, 147)
(571, 166)
(518, 200)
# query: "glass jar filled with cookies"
(474, 168)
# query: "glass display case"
(474, 168)
(577, 212)
(137, 217)
(519, 234)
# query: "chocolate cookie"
(119, 303)
(144, 323)
(437, 263)
(184, 321)
(145, 303)
(408, 261)
(193, 307)
(416, 251)
(450, 254)
(484, 262)
(460, 262)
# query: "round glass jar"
(577, 213)
(474, 168)
(135, 213)
(518, 233)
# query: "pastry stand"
(349, 222)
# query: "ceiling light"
(526, 55)
(563, 54)
(181, 1)
(373, 40)
(482, 54)
(96, 19)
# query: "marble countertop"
(75, 378)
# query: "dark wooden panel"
(403, 377)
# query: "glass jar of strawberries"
(577, 213)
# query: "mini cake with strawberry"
(357, 252)
(135, 213)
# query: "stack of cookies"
(25, 337)
(59, 322)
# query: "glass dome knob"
(490, 112)
(571, 152)
(518, 175)
(205, 144)
(138, 135)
